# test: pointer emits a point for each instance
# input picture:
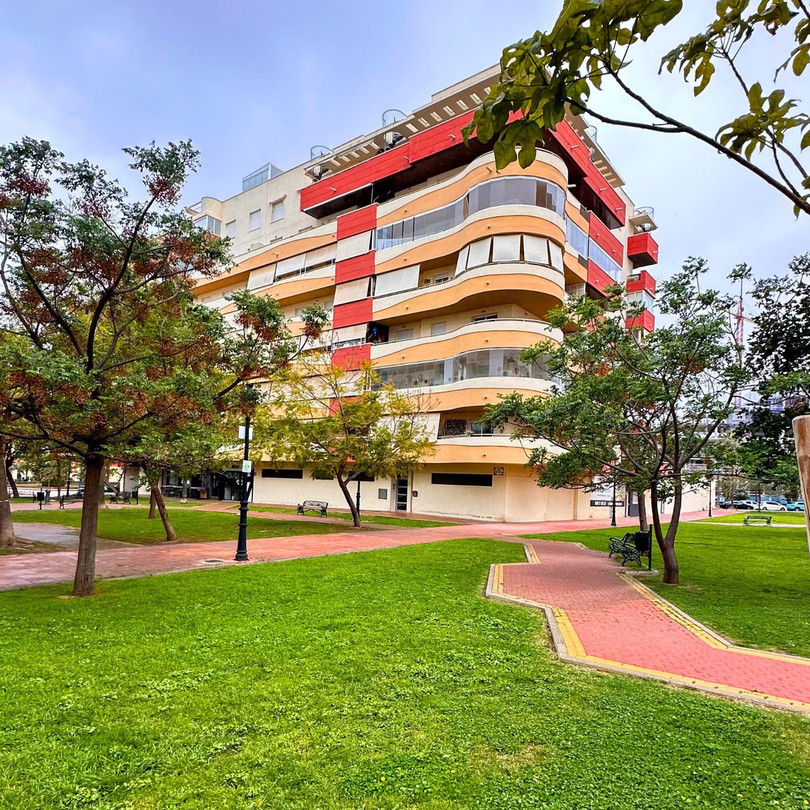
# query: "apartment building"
(439, 269)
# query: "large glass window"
(577, 238)
(603, 261)
(209, 223)
(467, 366)
(500, 191)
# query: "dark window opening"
(288, 473)
(461, 479)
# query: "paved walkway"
(601, 617)
(27, 570)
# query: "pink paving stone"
(616, 622)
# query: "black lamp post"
(711, 496)
(613, 510)
(247, 474)
(357, 497)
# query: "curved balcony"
(489, 448)
(547, 166)
(499, 333)
(538, 289)
(507, 219)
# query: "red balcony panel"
(420, 146)
(600, 186)
(438, 138)
(573, 144)
(359, 176)
(644, 283)
(646, 321)
(602, 235)
(364, 219)
(642, 250)
(598, 278)
(351, 314)
(356, 267)
(351, 357)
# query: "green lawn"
(361, 681)
(793, 518)
(750, 583)
(370, 517)
(132, 525)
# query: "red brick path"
(26, 570)
(608, 621)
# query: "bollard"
(801, 435)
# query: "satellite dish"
(390, 117)
(319, 151)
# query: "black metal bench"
(757, 520)
(69, 499)
(632, 547)
(313, 506)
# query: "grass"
(785, 518)
(132, 526)
(377, 681)
(748, 582)
(383, 520)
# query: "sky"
(251, 82)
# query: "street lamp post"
(711, 496)
(357, 497)
(613, 510)
(241, 544)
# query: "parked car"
(742, 505)
(773, 506)
(796, 507)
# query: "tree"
(590, 45)
(342, 424)
(188, 449)
(100, 338)
(780, 359)
(631, 407)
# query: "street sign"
(242, 433)
(247, 466)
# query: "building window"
(284, 473)
(210, 224)
(461, 479)
(230, 229)
(438, 328)
(277, 211)
(255, 220)
(490, 316)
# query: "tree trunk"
(344, 488)
(84, 581)
(105, 474)
(171, 534)
(152, 503)
(10, 477)
(643, 521)
(666, 542)
(6, 525)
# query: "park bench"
(632, 547)
(757, 520)
(69, 499)
(120, 497)
(313, 506)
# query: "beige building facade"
(439, 269)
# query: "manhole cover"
(213, 561)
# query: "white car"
(773, 506)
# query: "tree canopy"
(343, 424)
(632, 407)
(592, 44)
(101, 341)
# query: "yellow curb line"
(570, 649)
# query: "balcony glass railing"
(467, 366)
(501, 191)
